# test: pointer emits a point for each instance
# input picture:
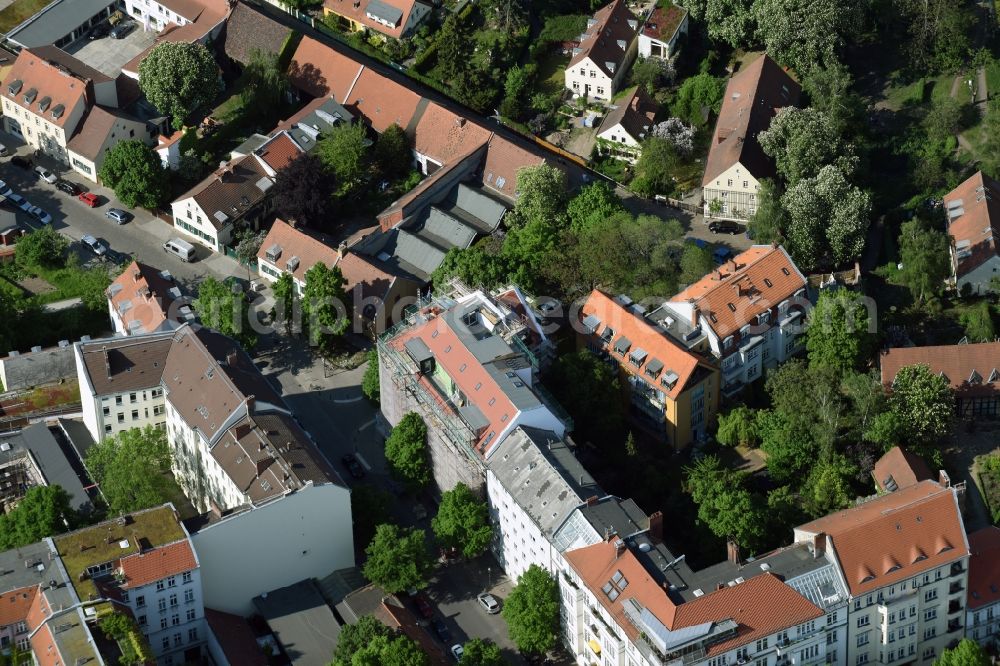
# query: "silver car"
(96, 246)
(118, 215)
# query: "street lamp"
(489, 572)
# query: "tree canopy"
(43, 511)
(698, 97)
(370, 381)
(136, 174)
(368, 642)
(839, 333)
(266, 83)
(803, 141)
(178, 78)
(393, 155)
(303, 192)
(725, 505)
(132, 469)
(343, 150)
(406, 451)
(42, 248)
(325, 305)
(926, 257)
(967, 653)
(589, 388)
(397, 559)
(463, 521)
(924, 402)
(655, 167)
(481, 652)
(802, 33)
(532, 611)
(222, 306)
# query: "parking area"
(108, 55)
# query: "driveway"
(108, 55)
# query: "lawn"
(21, 10)
(550, 78)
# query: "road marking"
(345, 401)
(366, 425)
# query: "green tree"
(790, 450)
(532, 611)
(654, 170)
(944, 119)
(830, 89)
(303, 5)
(325, 306)
(303, 192)
(266, 84)
(397, 559)
(370, 381)
(516, 88)
(453, 47)
(589, 389)
(481, 652)
(696, 263)
(343, 150)
(828, 219)
(43, 511)
(178, 78)
(354, 638)
(725, 506)
(802, 33)
(698, 97)
(285, 298)
(839, 333)
(132, 469)
(803, 141)
(924, 402)
(593, 204)
(392, 154)
(463, 521)
(542, 193)
(768, 223)
(926, 259)
(991, 146)
(406, 451)
(967, 653)
(978, 323)
(738, 427)
(222, 306)
(827, 488)
(370, 507)
(482, 264)
(136, 174)
(730, 21)
(648, 74)
(247, 245)
(43, 248)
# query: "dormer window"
(30, 96)
(728, 342)
(273, 253)
(15, 87)
(745, 332)
(44, 103)
(763, 318)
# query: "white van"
(181, 248)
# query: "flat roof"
(301, 621)
(56, 21)
(55, 460)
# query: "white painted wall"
(518, 542)
(737, 189)
(89, 403)
(305, 534)
(586, 78)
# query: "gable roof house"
(736, 163)
(145, 300)
(972, 371)
(247, 29)
(392, 18)
(627, 124)
(156, 15)
(100, 131)
(662, 31)
(607, 49)
(744, 313)
(898, 468)
(973, 218)
(983, 610)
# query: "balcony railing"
(957, 569)
(956, 587)
(954, 625)
(955, 606)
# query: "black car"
(69, 188)
(353, 466)
(122, 29)
(724, 227)
(442, 631)
(21, 162)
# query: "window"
(863, 639)
(135, 414)
(746, 184)
(862, 658)
(600, 90)
(21, 628)
(188, 596)
(159, 585)
(107, 428)
(172, 581)
(162, 604)
(930, 614)
(810, 652)
(107, 411)
(186, 577)
(761, 645)
(175, 619)
(178, 640)
(729, 183)
(863, 621)
(140, 601)
(166, 642)
(121, 417)
(173, 599)
(930, 595)
(190, 614)
(142, 621)
(163, 623)
(131, 398)
(192, 634)
(118, 400)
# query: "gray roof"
(323, 118)
(21, 567)
(8, 221)
(253, 142)
(384, 11)
(595, 521)
(513, 386)
(475, 207)
(78, 435)
(416, 255)
(56, 461)
(445, 231)
(301, 621)
(55, 21)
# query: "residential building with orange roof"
(971, 370)
(383, 101)
(101, 130)
(736, 163)
(145, 300)
(460, 362)
(442, 137)
(904, 557)
(747, 313)
(607, 48)
(321, 71)
(392, 18)
(672, 392)
(898, 468)
(157, 14)
(973, 216)
(982, 619)
(662, 30)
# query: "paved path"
(63, 305)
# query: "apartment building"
(748, 314)
(145, 300)
(533, 484)
(908, 593)
(662, 32)
(607, 48)
(154, 15)
(672, 392)
(462, 362)
(972, 211)
(736, 163)
(982, 616)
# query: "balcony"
(954, 625)
(957, 569)
(954, 606)
(956, 587)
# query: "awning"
(594, 646)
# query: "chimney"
(695, 313)
(656, 525)
(944, 479)
(460, 122)
(231, 358)
(592, 500)
(341, 250)
(136, 274)
(635, 102)
(733, 552)
(819, 545)
(732, 265)
(619, 548)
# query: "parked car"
(100, 30)
(118, 215)
(423, 606)
(21, 162)
(441, 629)
(3, 150)
(95, 246)
(489, 603)
(90, 199)
(46, 175)
(69, 188)
(457, 651)
(122, 29)
(353, 466)
(17, 200)
(724, 227)
(40, 215)
(722, 255)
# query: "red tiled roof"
(44, 649)
(15, 604)
(956, 362)
(296, 243)
(319, 70)
(753, 96)
(503, 160)
(641, 335)
(978, 226)
(236, 638)
(751, 283)
(445, 136)
(358, 11)
(37, 72)
(901, 466)
(279, 151)
(383, 101)
(984, 567)
(613, 23)
(147, 294)
(917, 529)
(145, 568)
(635, 112)
(395, 616)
